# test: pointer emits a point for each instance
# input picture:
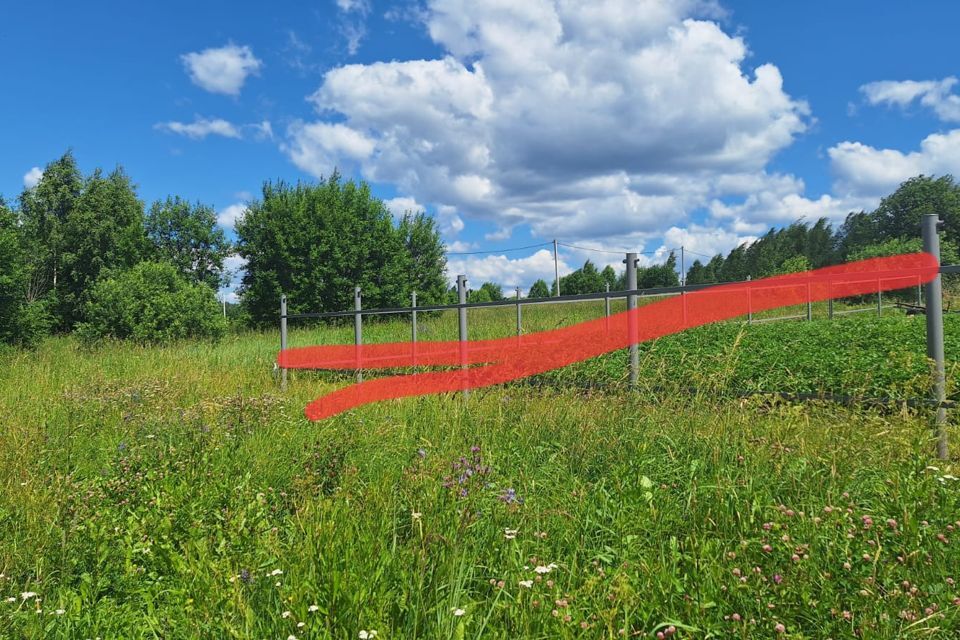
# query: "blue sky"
(612, 125)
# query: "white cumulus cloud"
(936, 95)
(222, 69)
(508, 272)
(32, 178)
(402, 204)
(606, 119)
(228, 216)
(200, 128)
(865, 171)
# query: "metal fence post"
(519, 314)
(413, 325)
(809, 304)
(283, 339)
(830, 309)
(934, 313)
(462, 317)
(749, 303)
(357, 330)
(879, 300)
(631, 262)
(606, 308)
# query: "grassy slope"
(137, 484)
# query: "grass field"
(175, 492)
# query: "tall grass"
(175, 492)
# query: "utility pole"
(631, 262)
(556, 267)
(683, 268)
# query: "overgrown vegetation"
(151, 302)
(175, 492)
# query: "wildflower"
(866, 557)
(501, 584)
(509, 496)
(458, 612)
(527, 584)
(735, 617)
(510, 534)
(780, 628)
(59, 612)
(767, 548)
(416, 515)
(767, 526)
(277, 583)
(891, 523)
(301, 625)
(285, 614)
(367, 635)
(291, 637)
(422, 453)
(276, 572)
(545, 568)
(26, 595)
(777, 578)
(313, 608)
(11, 599)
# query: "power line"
(573, 246)
(697, 253)
(473, 253)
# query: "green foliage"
(174, 492)
(587, 279)
(22, 322)
(151, 303)
(539, 289)
(897, 246)
(488, 292)
(103, 231)
(793, 264)
(187, 237)
(899, 214)
(315, 242)
(427, 259)
(44, 210)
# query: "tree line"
(84, 252)
(892, 228)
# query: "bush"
(151, 303)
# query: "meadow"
(176, 492)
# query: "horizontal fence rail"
(603, 295)
(930, 292)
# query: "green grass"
(175, 492)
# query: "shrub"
(152, 303)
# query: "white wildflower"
(545, 569)
(277, 583)
(276, 572)
(11, 599)
(291, 637)
(301, 625)
(416, 515)
(59, 612)
(510, 534)
(458, 612)
(528, 584)
(313, 608)
(26, 595)
(285, 614)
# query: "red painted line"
(507, 359)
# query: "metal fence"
(931, 292)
